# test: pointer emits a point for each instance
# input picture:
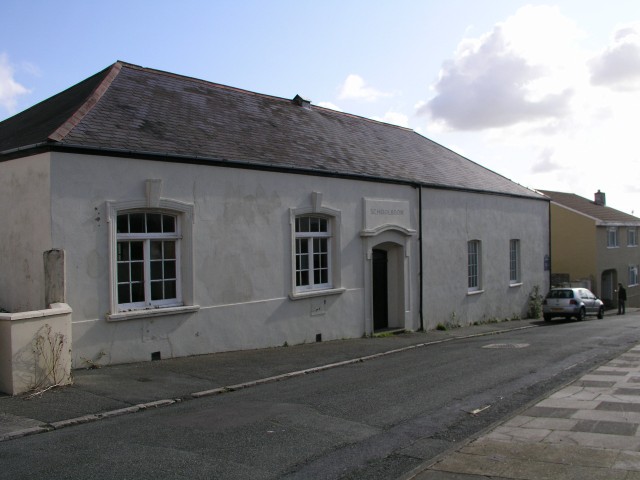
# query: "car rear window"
(561, 294)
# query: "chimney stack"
(302, 102)
(600, 198)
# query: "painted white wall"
(242, 256)
(26, 232)
(30, 357)
(242, 252)
(450, 220)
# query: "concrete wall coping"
(54, 309)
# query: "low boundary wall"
(35, 349)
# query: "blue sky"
(546, 94)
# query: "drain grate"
(506, 345)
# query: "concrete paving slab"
(628, 461)
(550, 412)
(536, 470)
(594, 440)
(569, 403)
(608, 416)
(519, 434)
(605, 427)
(491, 466)
(619, 407)
(541, 423)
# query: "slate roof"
(140, 111)
(601, 213)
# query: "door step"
(387, 332)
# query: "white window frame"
(515, 276)
(333, 218)
(474, 266)
(612, 237)
(633, 275)
(184, 301)
(146, 239)
(632, 237)
(313, 253)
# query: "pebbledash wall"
(237, 259)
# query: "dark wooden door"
(380, 290)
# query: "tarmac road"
(378, 418)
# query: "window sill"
(151, 312)
(517, 284)
(316, 293)
(474, 292)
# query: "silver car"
(571, 302)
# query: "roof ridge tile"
(63, 130)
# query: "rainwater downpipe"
(420, 268)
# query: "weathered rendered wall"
(450, 220)
(35, 349)
(573, 244)
(25, 233)
(618, 258)
(242, 257)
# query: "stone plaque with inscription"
(381, 215)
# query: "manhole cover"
(506, 345)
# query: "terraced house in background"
(594, 246)
(195, 217)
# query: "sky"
(546, 94)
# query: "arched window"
(313, 252)
(474, 273)
(151, 252)
(148, 260)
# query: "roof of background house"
(600, 213)
(135, 111)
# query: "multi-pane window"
(612, 237)
(313, 252)
(473, 265)
(147, 260)
(514, 261)
(632, 239)
(633, 274)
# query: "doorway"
(608, 286)
(380, 289)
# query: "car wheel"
(547, 318)
(601, 312)
(581, 314)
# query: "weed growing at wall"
(49, 360)
(535, 303)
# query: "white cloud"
(510, 75)
(9, 88)
(395, 118)
(618, 65)
(355, 88)
(546, 163)
(330, 106)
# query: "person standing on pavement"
(622, 298)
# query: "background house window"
(312, 252)
(632, 239)
(514, 261)
(633, 274)
(612, 237)
(473, 265)
(147, 260)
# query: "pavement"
(588, 429)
